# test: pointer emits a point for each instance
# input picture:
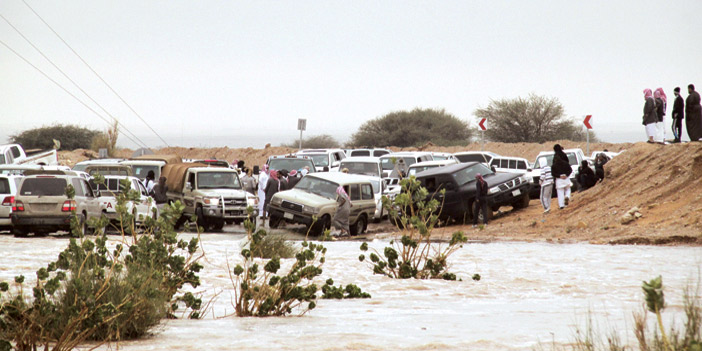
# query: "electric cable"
(60, 86)
(71, 80)
(94, 72)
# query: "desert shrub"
(535, 119)
(413, 254)
(413, 128)
(100, 293)
(106, 140)
(271, 245)
(71, 137)
(351, 291)
(323, 141)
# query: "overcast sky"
(240, 73)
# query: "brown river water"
(529, 293)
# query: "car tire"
(201, 220)
(274, 221)
(523, 202)
(360, 226)
(321, 225)
(20, 232)
(218, 225)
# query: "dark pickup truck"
(504, 189)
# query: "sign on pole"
(301, 125)
(587, 124)
(483, 127)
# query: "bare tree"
(533, 119)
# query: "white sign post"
(483, 127)
(301, 125)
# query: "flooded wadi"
(529, 293)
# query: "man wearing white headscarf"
(262, 182)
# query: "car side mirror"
(97, 193)
(325, 169)
(494, 170)
(188, 186)
(529, 169)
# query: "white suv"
(8, 190)
(324, 159)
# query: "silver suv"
(42, 206)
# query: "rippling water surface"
(529, 292)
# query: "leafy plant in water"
(351, 291)
(414, 255)
(102, 292)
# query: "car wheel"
(274, 221)
(201, 220)
(321, 225)
(218, 225)
(523, 202)
(19, 232)
(360, 226)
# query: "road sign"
(482, 124)
(587, 122)
(301, 124)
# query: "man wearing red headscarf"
(649, 117)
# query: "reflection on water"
(529, 292)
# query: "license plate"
(288, 215)
(516, 193)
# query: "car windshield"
(141, 171)
(320, 160)
(80, 167)
(473, 158)
(357, 153)
(547, 160)
(290, 164)
(43, 187)
(467, 174)
(415, 170)
(318, 186)
(218, 180)
(388, 165)
(364, 168)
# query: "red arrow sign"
(481, 124)
(587, 122)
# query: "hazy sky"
(240, 73)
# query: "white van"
(504, 164)
(363, 165)
(367, 152)
(324, 158)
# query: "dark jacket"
(159, 194)
(481, 189)
(560, 166)
(587, 176)
(650, 115)
(292, 180)
(679, 108)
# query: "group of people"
(655, 109)
(272, 181)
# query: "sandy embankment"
(663, 182)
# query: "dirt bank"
(663, 184)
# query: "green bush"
(100, 293)
(324, 141)
(414, 255)
(271, 245)
(71, 137)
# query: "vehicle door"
(145, 200)
(92, 202)
(368, 200)
(189, 192)
(355, 197)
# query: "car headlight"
(212, 201)
(494, 190)
(309, 209)
(275, 200)
(252, 201)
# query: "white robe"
(262, 181)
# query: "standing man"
(546, 181)
(650, 118)
(160, 193)
(678, 114)
(693, 114)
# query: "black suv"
(504, 189)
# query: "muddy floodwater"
(529, 293)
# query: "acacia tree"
(413, 128)
(535, 119)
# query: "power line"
(94, 72)
(71, 80)
(60, 86)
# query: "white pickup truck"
(15, 154)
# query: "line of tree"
(323, 141)
(413, 128)
(71, 137)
